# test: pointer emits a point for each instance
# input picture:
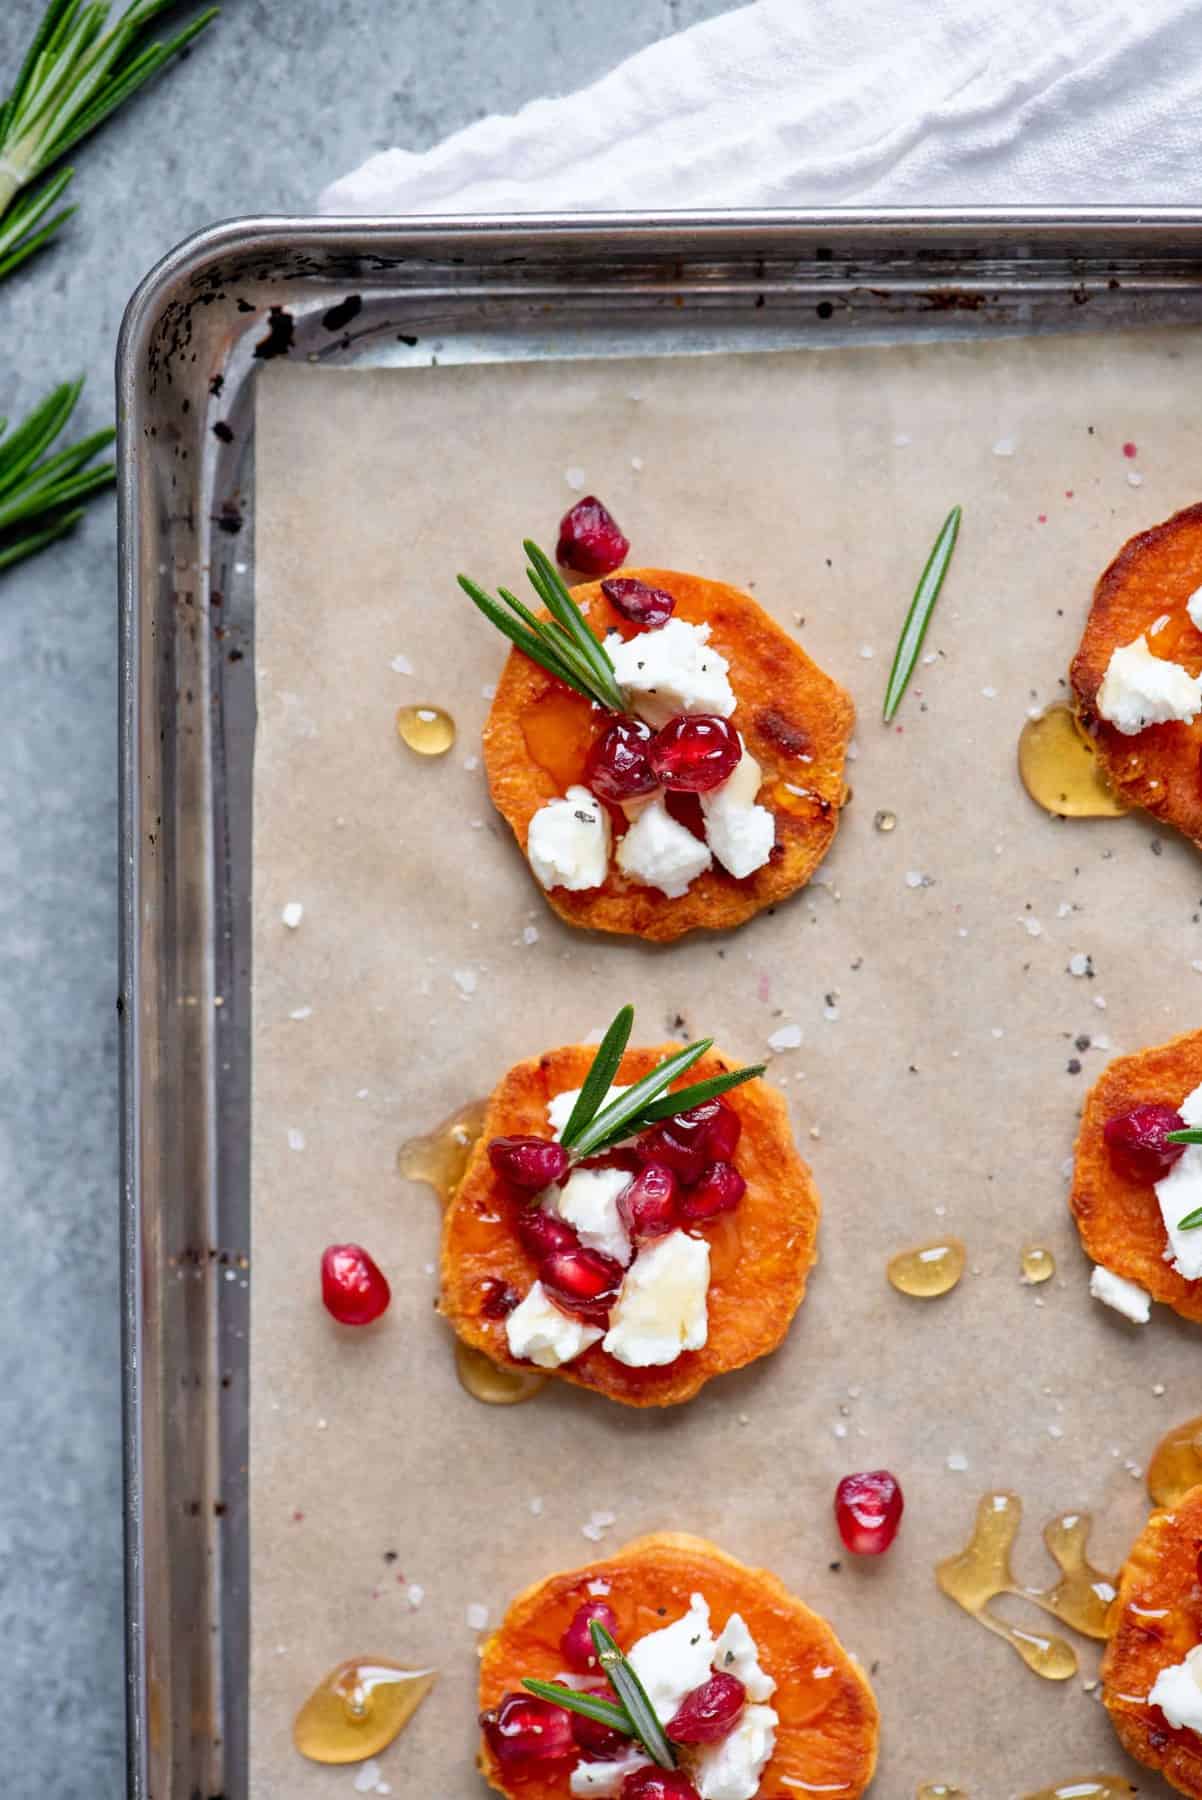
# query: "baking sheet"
(927, 968)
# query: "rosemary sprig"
(1191, 1220)
(589, 1706)
(592, 1127)
(633, 1696)
(80, 67)
(1187, 1135)
(563, 644)
(40, 495)
(919, 615)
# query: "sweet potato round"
(1153, 574)
(760, 1254)
(1156, 1621)
(1119, 1218)
(827, 1738)
(794, 719)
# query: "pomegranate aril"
(600, 1743)
(641, 604)
(584, 1282)
(498, 1299)
(576, 1644)
(528, 1162)
(542, 1234)
(710, 1712)
(686, 1159)
(590, 539)
(522, 1731)
(650, 1206)
(720, 1189)
(1136, 1140)
(616, 767)
(712, 1126)
(868, 1510)
(354, 1289)
(658, 1784)
(695, 752)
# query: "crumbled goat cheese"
(539, 1333)
(568, 842)
(672, 670)
(1126, 1297)
(660, 1310)
(740, 833)
(671, 1662)
(588, 1200)
(1177, 1691)
(560, 1106)
(661, 853)
(605, 1779)
(737, 1654)
(1180, 1193)
(1140, 689)
(731, 1770)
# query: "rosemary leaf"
(615, 1120)
(545, 579)
(529, 643)
(919, 615)
(599, 1079)
(40, 493)
(685, 1098)
(589, 1706)
(633, 1695)
(1191, 1220)
(1191, 1136)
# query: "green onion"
(633, 1696)
(919, 615)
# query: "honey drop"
(1176, 1464)
(359, 1708)
(1059, 768)
(440, 1157)
(1038, 1265)
(1087, 1787)
(928, 1270)
(940, 1790)
(488, 1382)
(887, 821)
(427, 729)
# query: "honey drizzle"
(490, 1382)
(1176, 1464)
(358, 1708)
(427, 729)
(928, 1270)
(1084, 1787)
(981, 1571)
(1058, 766)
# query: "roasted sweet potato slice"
(1150, 579)
(794, 719)
(1157, 1621)
(760, 1254)
(1118, 1217)
(826, 1742)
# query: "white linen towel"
(844, 103)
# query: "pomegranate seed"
(713, 1126)
(584, 1282)
(686, 1158)
(600, 1743)
(499, 1299)
(1136, 1143)
(650, 1206)
(868, 1510)
(719, 1190)
(590, 539)
(710, 1712)
(644, 606)
(624, 1157)
(542, 1234)
(576, 1644)
(695, 752)
(523, 1730)
(658, 1784)
(528, 1162)
(616, 767)
(353, 1287)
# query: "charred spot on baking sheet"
(216, 385)
(223, 432)
(953, 300)
(405, 337)
(236, 655)
(824, 309)
(281, 330)
(229, 519)
(342, 314)
(244, 306)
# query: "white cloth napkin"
(844, 103)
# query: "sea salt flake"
(536, 1505)
(1004, 447)
(901, 439)
(400, 665)
(465, 980)
(477, 1616)
(530, 934)
(292, 914)
(1134, 478)
(867, 652)
(574, 476)
(786, 1037)
(415, 1594)
(367, 1778)
(916, 879)
(296, 1139)
(1079, 963)
(1032, 927)
(989, 693)
(830, 1012)
(636, 463)
(957, 1462)
(301, 1012)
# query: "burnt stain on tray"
(281, 330)
(341, 315)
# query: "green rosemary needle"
(589, 1706)
(633, 1696)
(562, 644)
(919, 615)
(41, 495)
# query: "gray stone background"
(273, 101)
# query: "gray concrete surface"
(275, 100)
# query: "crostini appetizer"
(666, 756)
(1137, 676)
(1137, 1180)
(1152, 1670)
(628, 1236)
(671, 1672)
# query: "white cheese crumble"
(539, 1333)
(568, 842)
(737, 1654)
(1180, 1193)
(740, 833)
(588, 1200)
(661, 1309)
(660, 852)
(1126, 1297)
(671, 1662)
(672, 670)
(1140, 689)
(605, 1779)
(559, 1107)
(1193, 607)
(1177, 1691)
(732, 1769)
